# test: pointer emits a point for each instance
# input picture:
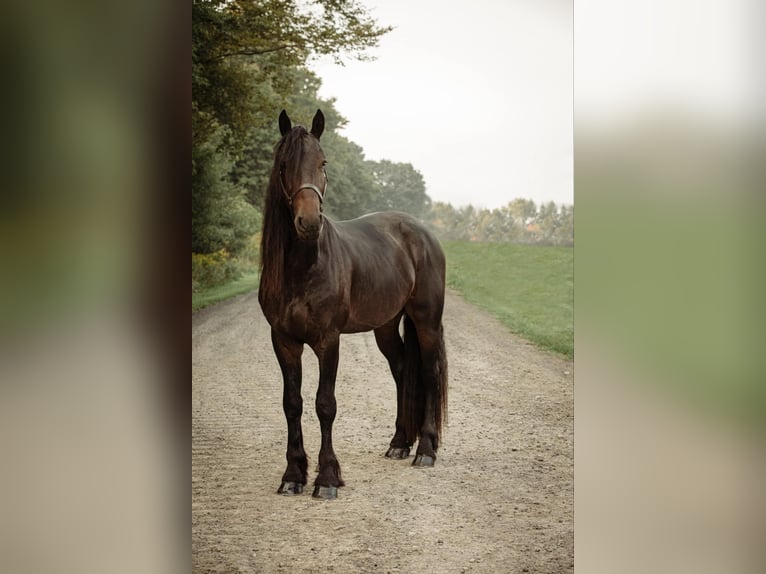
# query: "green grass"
(248, 282)
(530, 288)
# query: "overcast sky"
(475, 94)
(701, 58)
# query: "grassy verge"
(529, 288)
(248, 282)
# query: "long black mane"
(278, 230)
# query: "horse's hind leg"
(435, 388)
(390, 344)
(433, 364)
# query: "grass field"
(247, 282)
(530, 288)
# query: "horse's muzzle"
(308, 229)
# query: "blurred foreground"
(669, 282)
(93, 336)
(670, 395)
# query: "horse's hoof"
(325, 492)
(423, 460)
(398, 452)
(290, 488)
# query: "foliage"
(221, 217)
(351, 185)
(400, 187)
(294, 30)
(530, 288)
(211, 269)
(241, 51)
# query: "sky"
(698, 57)
(477, 95)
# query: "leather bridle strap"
(301, 187)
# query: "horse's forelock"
(290, 151)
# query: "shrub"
(210, 269)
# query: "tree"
(400, 187)
(243, 50)
(566, 226)
(523, 211)
(295, 30)
(547, 219)
(351, 184)
(443, 220)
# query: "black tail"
(414, 389)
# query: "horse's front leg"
(329, 478)
(289, 353)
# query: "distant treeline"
(520, 221)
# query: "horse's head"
(302, 174)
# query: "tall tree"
(400, 187)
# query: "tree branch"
(251, 52)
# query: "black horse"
(321, 278)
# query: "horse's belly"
(363, 324)
(372, 310)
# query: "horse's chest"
(305, 319)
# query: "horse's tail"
(414, 389)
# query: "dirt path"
(500, 498)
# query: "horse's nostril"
(307, 227)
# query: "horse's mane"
(277, 219)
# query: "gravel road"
(500, 498)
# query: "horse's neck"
(301, 255)
(314, 257)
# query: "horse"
(322, 278)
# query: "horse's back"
(394, 236)
(394, 257)
(394, 228)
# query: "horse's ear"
(317, 126)
(285, 125)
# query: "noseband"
(301, 187)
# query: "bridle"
(301, 187)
